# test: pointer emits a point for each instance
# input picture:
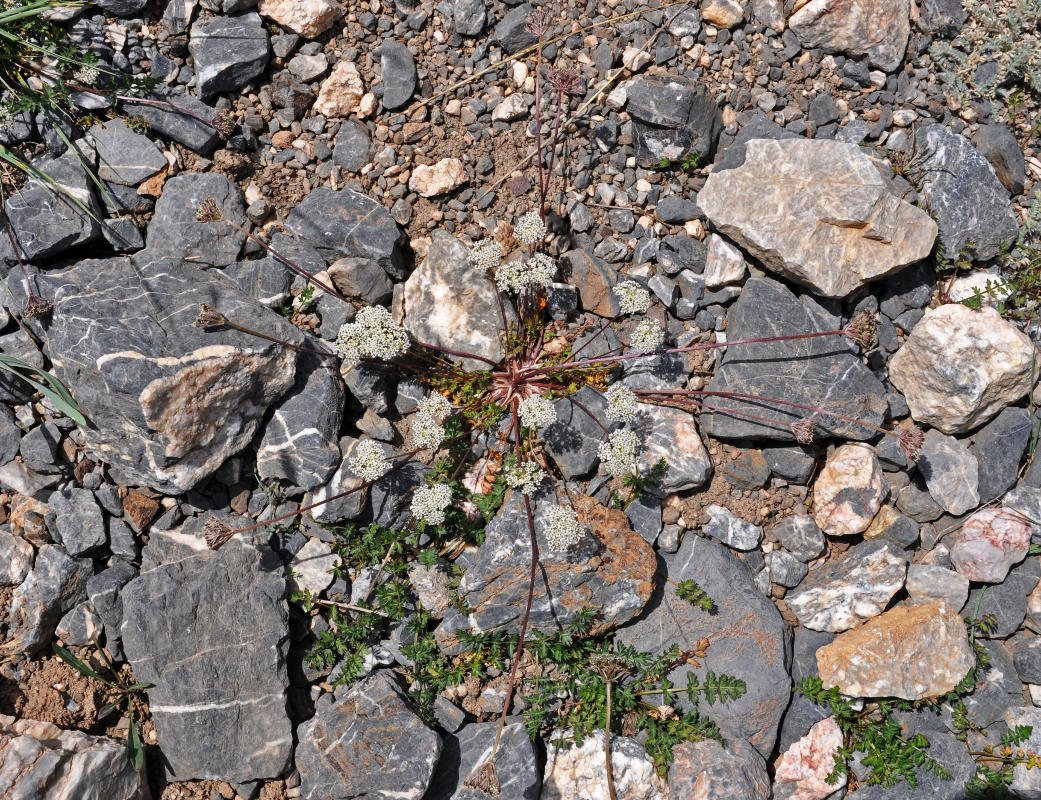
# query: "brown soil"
(204, 790)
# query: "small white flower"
(87, 73)
(510, 277)
(486, 254)
(621, 403)
(537, 412)
(429, 502)
(6, 117)
(515, 275)
(632, 297)
(530, 229)
(540, 269)
(618, 453)
(373, 334)
(526, 476)
(427, 432)
(368, 461)
(563, 529)
(435, 405)
(648, 336)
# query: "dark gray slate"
(749, 638)
(229, 52)
(820, 372)
(121, 539)
(951, 472)
(1027, 501)
(998, 687)
(785, 569)
(210, 632)
(469, 16)
(55, 584)
(793, 463)
(352, 149)
(800, 535)
(954, 757)
(968, 201)
(902, 530)
(372, 386)
(266, 280)
(516, 763)
(391, 495)
(672, 117)
(1027, 658)
(77, 523)
(1007, 601)
(300, 444)
(10, 435)
(511, 31)
(675, 210)
(348, 223)
(998, 145)
(122, 8)
(165, 114)
(999, 447)
(48, 219)
(942, 17)
(398, 74)
(758, 126)
(39, 448)
(123, 234)
(174, 232)
(168, 402)
(369, 743)
(360, 279)
(572, 440)
(645, 515)
(103, 590)
(125, 156)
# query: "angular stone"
(1006, 601)
(818, 212)
(801, 536)
(951, 754)
(997, 143)
(312, 566)
(469, 16)
(785, 569)
(55, 584)
(724, 263)
(942, 17)
(848, 492)
(229, 52)
(453, 305)
(124, 156)
(398, 74)
(572, 441)
(926, 583)
(38, 757)
(343, 482)
(431, 180)
(989, 543)
(194, 132)
(672, 434)
(856, 28)
(749, 639)
(710, 770)
(348, 223)
(16, 558)
(950, 471)
(367, 743)
(845, 593)
(79, 626)
(352, 149)
(576, 773)
(341, 93)
(594, 278)
(731, 530)
(723, 13)
(78, 523)
(1025, 502)
(307, 18)
(174, 232)
(806, 764)
(210, 632)
(817, 372)
(512, 30)
(516, 763)
(610, 569)
(893, 525)
(672, 118)
(431, 585)
(999, 447)
(168, 402)
(959, 367)
(969, 202)
(1026, 783)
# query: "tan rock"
(431, 180)
(341, 93)
(805, 765)
(876, 29)
(818, 212)
(308, 18)
(908, 652)
(959, 367)
(510, 108)
(722, 13)
(724, 263)
(849, 490)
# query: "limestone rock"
(722, 13)
(731, 530)
(125, 156)
(341, 93)
(989, 543)
(307, 18)
(929, 582)
(343, 482)
(672, 434)
(516, 763)
(312, 567)
(672, 118)
(16, 556)
(1026, 783)
(594, 278)
(801, 536)
(195, 132)
(710, 770)
(451, 304)
(908, 652)
(959, 367)
(818, 212)
(724, 263)
(55, 584)
(806, 764)
(229, 52)
(175, 232)
(951, 472)
(849, 490)
(855, 27)
(572, 441)
(398, 74)
(845, 593)
(577, 773)
(431, 180)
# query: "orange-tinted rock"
(139, 510)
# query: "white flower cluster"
(87, 73)
(618, 453)
(373, 334)
(530, 229)
(429, 502)
(537, 412)
(632, 297)
(563, 529)
(6, 117)
(368, 461)
(486, 254)
(621, 403)
(435, 405)
(427, 432)
(526, 476)
(648, 336)
(515, 275)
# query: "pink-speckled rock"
(434, 179)
(989, 543)
(341, 92)
(805, 765)
(308, 18)
(849, 490)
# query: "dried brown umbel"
(862, 330)
(36, 306)
(803, 430)
(209, 317)
(209, 211)
(911, 439)
(216, 533)
(484, 779)
(224, 124)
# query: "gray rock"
(300, 444)
(749, 639)
(708, 769)
(572, 440)
(469, 16)
(121, 540)
(398, 74)
(950, 471)
(915, 501)
(999, 447)
(123, 234)
(371, 386)
(879, 31)
(998, 145)
(952, 755)
(726, 527)
(672, 118)
(391, 495)
(819, 372)
(785, 569)
(266, 280)
(210, 632)
(168, 117)
(685, 23)
(16, 556)
(168, 402)
(80, 626)
(55, 584)
(343, 482)
(801, 536)
(794, 464)
(674, 210)
(39, 448)
(516, 763)
(174, 232)
(757, 126)
(942, 17)
(511, 32)
(998, 687)
(352, 149)
(103, 590)
(122, 8)
(896, 528)
(78, 524)
(229, 52)
(10, 435)
(125, 156)
(823, 110)
(748, 471)
(1025, 501)
(1027, 658)
(1007, 601)
(964, 194)
(367, 743)
(348, 223)
(1026, 783)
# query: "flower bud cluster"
(632, 297)
(648, 336)
(618, 453)
(530, 229)
(429, 502)
(537, 412)
(515, 275)
(426, 428)
(526, 477)
(369, 461)
(621, 403)
(563, 529)
(373, 334)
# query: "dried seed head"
(609, 665)
(862, 330)
(911, 439)
(803, 430)
(209, 211)
(484, 779)
(209, 317)
(223, 123)
(216, 533)
(564, 80)
(537, 22)
(36, 306)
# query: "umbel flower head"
(526, 477)
(530, 229)
(373, 334)
(427, 432)
(486, 254)
(563, 529)
(632, 297)
(435, 405)
(369, 461)
(515, 275)
(621, 403)
(648, 336)
(429, 502)
(537, 412)
(618, 453)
